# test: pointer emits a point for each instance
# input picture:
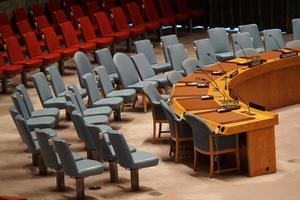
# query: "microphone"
(223, 71)
(276, 42)
(237, 96)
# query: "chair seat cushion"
(96, 119)
(114, 102)
(167, 20)
(139, 85)
(120, 35)
(49, 132)
(11, 70)
(30, 63)
(49, 58)
(58, 102)
(137, 30)
(225, 56)
(103, 110)
(144, 159)
(162, 80)
(127, 94)
(86, 47)
(67, 52)
(102, 42)
(46, 112)
(104, 128)
(160, 68)
(261, 49)
(41, 122)
(88, 168)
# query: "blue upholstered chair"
(174, 77)
(95, 100)
(180, 130)
(129, 76)
(273, 39)
(177, 54)
(145, 47)
(220, 43)
(83, 66)
(190, 65)
(296, 28)
(252, 29)
(166, 41)
(293, 44)
(247, 51)
(241, 40)
(134, 161)
(204, 47)
(76, 169)
(104, 58)
(207, 143)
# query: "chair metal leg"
(134, 176)
(79, 188)
(24, 78)
(159, 129)
(113, 172)
(91, 154)
(61, 66)
(171, 148)
(154, 133)
(128, 42)
(211, 167)
(60, 180)
(117, 114)
(4, 85)
(145, 103)
(177, 150)
(190, 24)
(174, 29)
(35, 159)
(42, 166)
(195, 160)
(113, 48)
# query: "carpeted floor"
(166, 181)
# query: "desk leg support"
(261, 152)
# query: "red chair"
(16, 57)
(152, 15)
(6, 31)
(108, 4)
(19, 14)
(183, 7)
(4, 19)
(92, 8)
(137, 19)
(59, 16)
(12, 198)
(53, 46)
(67, 4)
(76, 12)
(37, 10)
(24, 27)
(122, 24)
(35, 51)
(8, 71)
(106, 30)
(166, 10)
(52, 6)
(71, 39)
(89, 34)
(42, 22)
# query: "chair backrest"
(273, 39)
(32, 44)
(171, 116)
(104, 80)
(174, 77)
(19, 14)
(51, 39)
(56, 80)
(76, 12)
(42, 87)
(190, 65)
(143, 66)
(6, 31)
(247, 51)
(104, 58)
(23, 127)
(121, 149)
(177, 54)
(78, 97)
(91, 87)
(252, 29)
(150, 10)
(165, 8)
(13, 113)
(20, 106)
(47, 149)
(87, 28)
(296, 28)
(41, 22)
(103, 23)
(70, 36)
(200, 131)
(92, 8)
(4, 19)
(152, 94)
(166, 41)
(119, 18)
(23, 92)
(145, 47)
(14, 49)
(293, 44)
(70, 96)
(83, 66)
(37, 10)
(135, 13)
(126, 70)
(24, 26)
(241, 39)
(219, 39)
(65, 155)
(60, 16)
(203, 47)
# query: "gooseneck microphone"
(276, 42)
(237, 96)
(224, 72)
(237, 43)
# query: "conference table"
(270, 85)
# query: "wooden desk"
(273, 84)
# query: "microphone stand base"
(248, 113)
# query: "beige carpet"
(166, 181)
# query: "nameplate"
(285, 53)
